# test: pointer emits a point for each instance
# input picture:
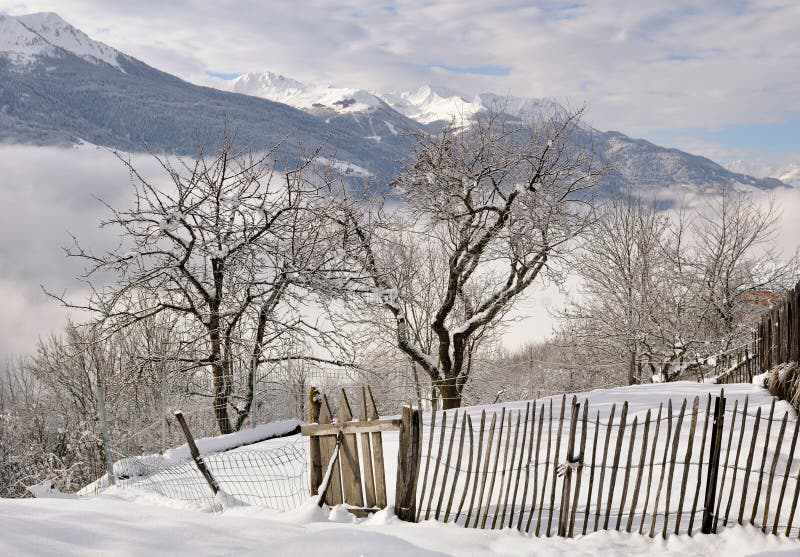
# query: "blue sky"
(718, 78)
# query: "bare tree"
(495, 204)
(221, 246)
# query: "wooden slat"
(609, 426)
(519, 468)
(673, 458)
(615, 465)
(469, 468)
(379, 467)
(546, 469)
(700, 465)
(579, 475)
(628, 462)
(409, 455)
(494, 467)
(457, 470)
(687, 462)
(591, 474)
(777, 450)
(443, 430)
(366, 454)
(528, 470)
(563, 515)
(663, 469)
(763, 462)
(479, 444)
(510, 472)
(485, 471)
(333, 495)
(718, 507)
(782, 491)
(503, 473)
(555, 463)
(650, 468)
(427, 463)
(446, 465)
(749, 465)
(639, 473)
(351, 469)
(793, 506)
(736, 461)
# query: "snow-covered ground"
(133, 522)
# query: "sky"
(717, 78)
(714, 78)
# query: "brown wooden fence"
(566, 469)
(779, 331)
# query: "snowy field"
(134, 522)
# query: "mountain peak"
(27, 38)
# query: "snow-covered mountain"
(27, 38)
(790, 175)
(59, 86)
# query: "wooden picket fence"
(739, 367)
(779, 331)
(559, 469)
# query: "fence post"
(713, 466)
(566, 471)
(313, 441)
(409, 456)
(212, 483)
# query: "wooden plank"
(639, 472)
(427, 461)
(519, 468)
(315, 475)
(763, 462)
(687, 462)
(603, 467)
(700, 464)
(749, 465)
(351, 427)
(591, 473)
(510, 472)
(446, 465)
(650, 468)
(333, 495)
(477, 468)
(469, 466)
(485, 468)
(379, 467)
(782, 491)
(579, 475)
(707, 524)
(793, 506)
(443, 430)
(718, 506)
(409, 455)
(615, 465)
(503, 473)
(351, 469)
(555, 463)
(563, 515)
(627, 476)
(494, 467)
(663, 469)
(528, 471)
(457, 471)
(736, 461)
(366, 454)
(777, 450)
(546, 469)
(675, 445)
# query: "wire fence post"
(104, 436)
(709, 511)
(212, 483)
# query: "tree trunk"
(451, 395)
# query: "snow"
(428, 104)
(118, 523)
(27, 38)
